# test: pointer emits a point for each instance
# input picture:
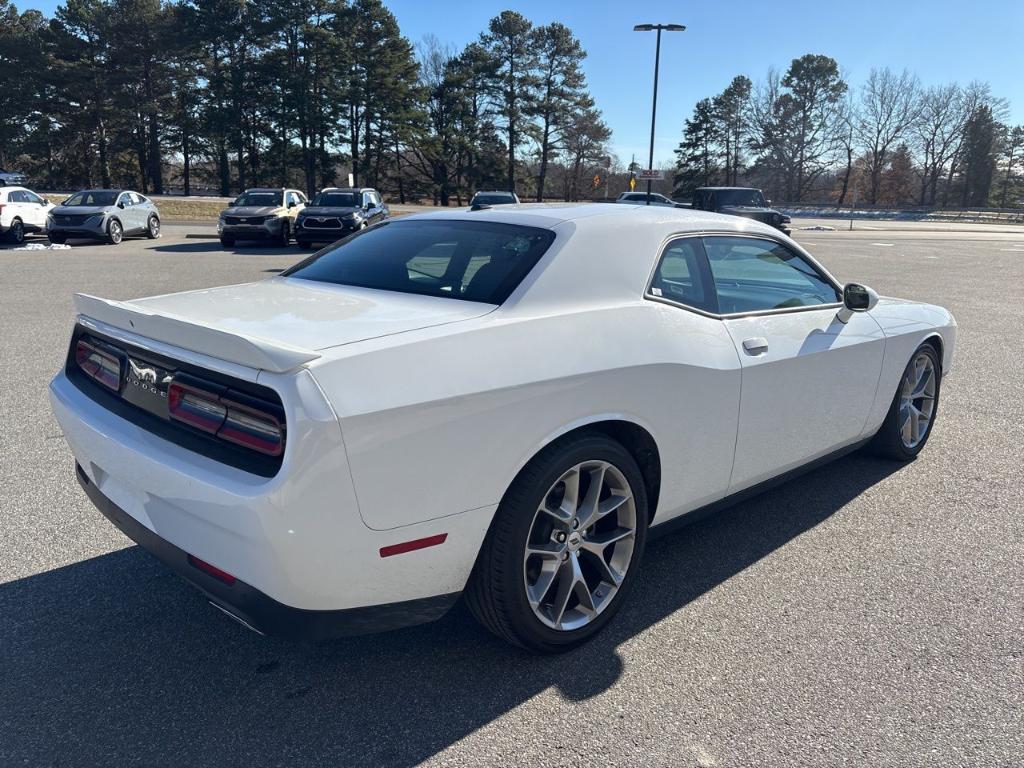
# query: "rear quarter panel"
(440, 423)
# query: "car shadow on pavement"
(113, 661)
(241, 249)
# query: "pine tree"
(697, 154)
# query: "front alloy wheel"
(114, 232)
(912, 414)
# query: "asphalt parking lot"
(865, 614)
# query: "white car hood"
(307, 314)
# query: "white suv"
(22, 211)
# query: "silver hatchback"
(103, 214)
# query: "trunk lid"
(276, 324)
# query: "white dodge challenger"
(497, 404)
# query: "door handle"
(755, 346)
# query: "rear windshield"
(468, 260)
(495, 199)
(336, 200)
(92, 197)
(259, 199)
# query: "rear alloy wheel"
(115, 234)
(564, 546)
(153, 228)
(17, 232)
(911, 416)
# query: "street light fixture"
(657, 61)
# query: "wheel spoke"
(915, 424)
(549, 550)
(599, 542)
(905, 426)
(588, 508)
(571, 499)
(539, 590)
(568, 574)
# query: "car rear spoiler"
(231, 346)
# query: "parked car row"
(277, 214)
(280, 214)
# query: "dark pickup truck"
(740, 201)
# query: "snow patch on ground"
(818, 228)
(42, 247)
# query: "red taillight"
(253, 429)
(251, 424)
(99, 365)
(212, 570)
(196, 407)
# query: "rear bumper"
(256, 610)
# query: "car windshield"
(93, 197)
(751, 197)
(469, 260)
(259, 199)
(336, 200)
(493, 199)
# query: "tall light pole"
(654, 106)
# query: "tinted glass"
(471, 261)
(336, 200)
(682, 276)
(747, 197)
(493, 199)
(260, 199)
(92, 197)
(17, 196)
(752, 275)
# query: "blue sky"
(941, 40)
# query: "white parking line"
(885, 245)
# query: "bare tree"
(889, 107)
(937, 134)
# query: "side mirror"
(768, 203)
(856, 298)
(120, 205)
(291, 203)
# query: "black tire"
(16, 234)
(115, 232)
(496, 592)
(888, 441)
(227, 242)
(285, 237)
(153, 228)
(57, 239)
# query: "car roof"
(348, 189)
(494, 192)
(596, 215)
(723, 189)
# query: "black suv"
(336, 212)
(740, 201)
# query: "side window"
(376, 199)
(682, 276)
(125, 198)
(367, 199)
(752, 275)
(17, 196)
(291, 199)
